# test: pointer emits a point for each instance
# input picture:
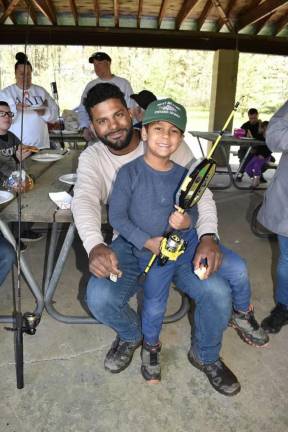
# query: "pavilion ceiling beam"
(8, 11)
(260, 24)
(202, 17)
(229, 6)
(116, 13)
(281, 24)
(97, 11)
(162, 12)
(261, 11)
(185, 11)
(223, 16)
(46, 7)
(31, 11)
(139, 15)
(5, 4)
(74, 11)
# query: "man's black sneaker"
(31, 236)
(221, 378)
(239, 177)
(120, 355)
(150, 368)
(277, 318)
(248, 328)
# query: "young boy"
(9, 149)
(141, 208)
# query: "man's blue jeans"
(282, 272)
(7, 258)
(108, 301)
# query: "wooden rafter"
(256, 14)
(162, 12)
(228, 8)
(74, 11)
(47, 9)
(97, 12)
(5, 4)
(204, 13)
(223, 16)
(281, 24)
(185, 10)
(31, 11)
(116, 12)
(260, 24)
(8, 11)
(140, 7)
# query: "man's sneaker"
(277, 318)
(150, 368)
(31, 236)
(120, 355)
(262, 179)
(220, 376)
(248, 328)
(239, 177)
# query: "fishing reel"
(172, 246)
(28, 323)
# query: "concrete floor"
(67, 389)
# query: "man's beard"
(119, 144)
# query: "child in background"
(261, 156)
(140, 208)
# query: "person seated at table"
(261, 156)
(36, 107)
(7, 258)
(10, 153)
(252, 129)
(142, 224)
(143, 99)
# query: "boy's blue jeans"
(7, 258)
(156, 288)
(108, 301)
(282, 272)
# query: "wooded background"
(184, 75)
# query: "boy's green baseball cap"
(166, 110)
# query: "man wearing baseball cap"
(102, 67)
(142, 99)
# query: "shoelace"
(154, 358)
(252, 321)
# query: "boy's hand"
(103, 261)
(179, 221)
(24, 153)
(153, 244)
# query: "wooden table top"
(36, 204)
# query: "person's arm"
(84, 120)
(119, 204)
(277, 131)
(51, 112)
(89, 196)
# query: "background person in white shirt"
(102, 68)
(34, 102)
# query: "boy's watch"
(213, 236)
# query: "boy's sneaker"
(248, 328)
(120, 355)
(150, 368)
(31, 236)
(219, 375)
(277, 318)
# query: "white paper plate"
(68, 178)
(47, 157)
(5, 196)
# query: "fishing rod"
(189, 193)
(28, 321)
(61, 121)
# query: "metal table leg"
(34, 287)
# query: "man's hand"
(208, 250)
(103, 261)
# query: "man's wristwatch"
(213, 236)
